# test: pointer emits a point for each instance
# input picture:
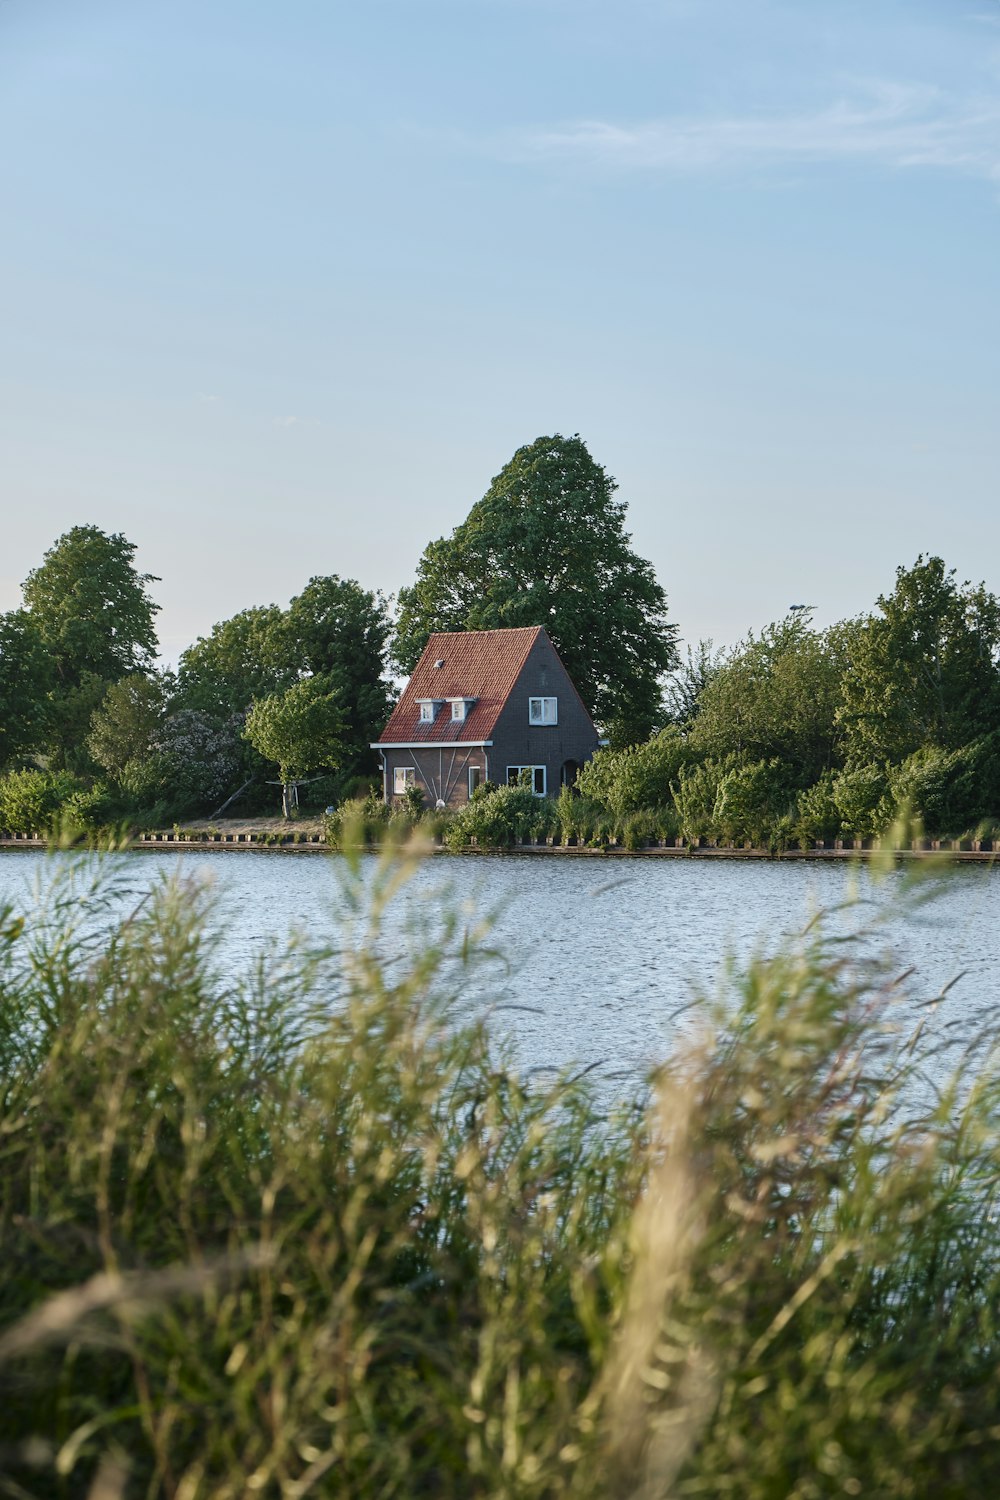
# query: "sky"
(284, 284)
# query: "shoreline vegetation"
(792, 739)
(307, 1232)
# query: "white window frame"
(543, 710)
(475, 779)
(514, 773)
(428, 712)
(402, 777)
(458, 710)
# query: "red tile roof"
(479, 664)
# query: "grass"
(307, 1233)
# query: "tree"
(547, 545)
(924, 672)
(687, 682)
(776, 696)
(25, 681)
(93, 614)
(334, 629)
(91, 608)
(126, 727)
(338, 631)
(244, 658)
(300, 730)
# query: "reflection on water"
(603, 955)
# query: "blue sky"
(283, 285)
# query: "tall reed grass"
(306, 1232)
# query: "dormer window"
(458, 710)
(428, 709)
(543, 710)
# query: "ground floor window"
(537, 774)
(402, 777)
(475, 779)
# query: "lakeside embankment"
(276, 835)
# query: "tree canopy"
(546, 545)
(91, 608)
(923, 672)
(775, 696)
(299, 730)
(334, 629)
(25, 680)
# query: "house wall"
(440, 771)
(516, 742)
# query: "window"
(543, 710)
(402, 777)
(536, 773)
(427, 713)
(475, 779)
(458, 708)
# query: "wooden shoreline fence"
(983, 851)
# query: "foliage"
(334, 629)
(775, 696)
(300, 730)
(91, 607)
(546, 545)
(687, 682)
(25, 681)
(817, 816)
(127, 725)
(506, 815)
(243, 658)
(924, 672)
(305, 1232)
(950, 791)
(31, 801)
(696, 794)
(638, 776)
(863, 799)
(752, 800)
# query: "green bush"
(627, 781)
(306, 1233)
(864, 801)
(31, 801)
(951, 791)
(506, 815)
(816, 813)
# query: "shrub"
(864, 800)
(31, 801)
(625, 781)
(506, 815)
(816, 813)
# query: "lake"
(605, 956)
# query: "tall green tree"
(299, 730)
(25, 682)
(547, 545)
(243, 658)
(92, 611)
(923, 671)
(776, 696)
(91, 607)
(334, 628)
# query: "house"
(486, 705)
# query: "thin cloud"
(285, 421)
(887, 124)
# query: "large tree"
(334, 629)
(25, 681)
(776, 695)
(94, 616)
(299, 730)
(91, 607)
(923, 672)
(547, 545)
